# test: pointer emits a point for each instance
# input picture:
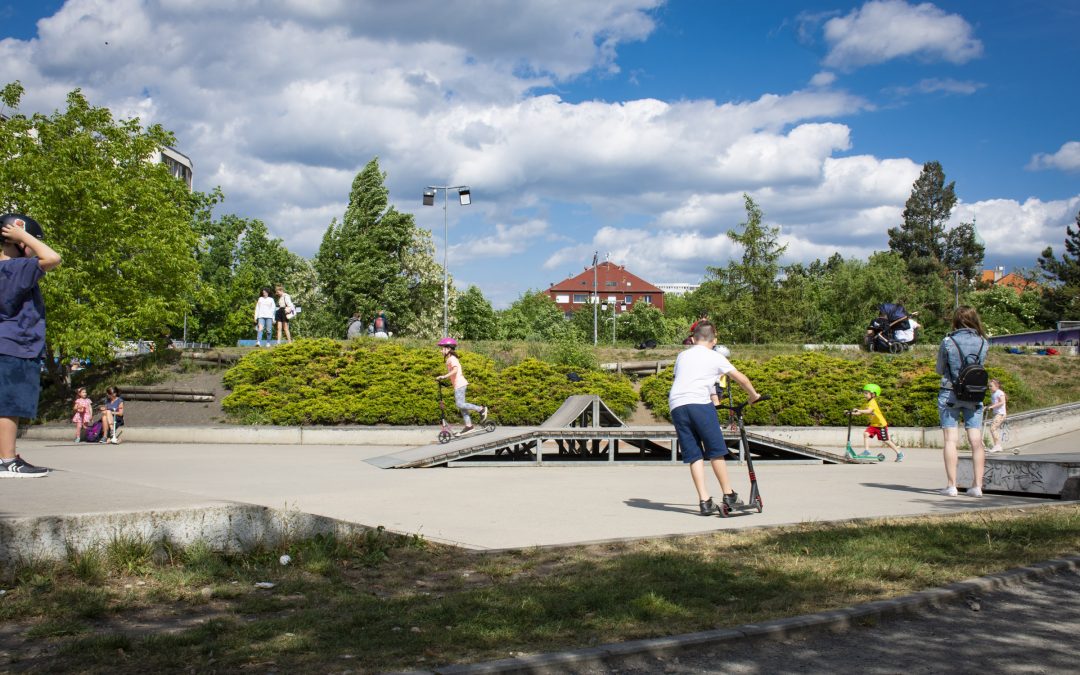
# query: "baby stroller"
(892, 331)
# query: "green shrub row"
(367, 382)
(814, 389)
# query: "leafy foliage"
(473, 318)
(377, 259)
(121, 223)
(1062, 299)
(368, 381)
(814, 389)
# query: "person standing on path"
(693, 402)
(997, 404)
(965, 344)
(83, 410)
(264, 317)
(24, 260)
(285, 312)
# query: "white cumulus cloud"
(1067, 158)
(882, 30)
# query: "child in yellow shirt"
(878, 427)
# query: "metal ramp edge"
(794, 448)
(582, 410)
(439, 453)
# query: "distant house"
(678, 288)
(997, 277)
(614, 286)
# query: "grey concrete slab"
(481, 508)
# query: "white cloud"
(882, 30)
(507, 240)
(1067, 158)
(281, 102)
(1018, 229)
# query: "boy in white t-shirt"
(693, 402)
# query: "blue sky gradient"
(628, 127)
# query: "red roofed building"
(997, 277)
(614, 286)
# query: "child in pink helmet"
(448, 346)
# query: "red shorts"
(880, 433)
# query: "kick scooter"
(446, 432)
(865, 457)
(754, 502)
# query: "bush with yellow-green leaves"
(367, 382)
(814, 389)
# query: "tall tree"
(533, 316)
(122, 223)
(1062, 298)
(924, 239)
(375, 259)
(920, 239)
(747, 287)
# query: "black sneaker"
(707, 507)
(20, 468)
(732, 500)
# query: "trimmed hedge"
(383, 382)
(814, 389)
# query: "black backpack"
(971, 383)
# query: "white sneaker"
(974, 491)
(949, 491)
(996, 448)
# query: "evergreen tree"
(1061, 301)
(741, 296)
(377, 259)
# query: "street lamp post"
(614, 311)
(465, 197)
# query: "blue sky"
(628, 127)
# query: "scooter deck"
(866, 459)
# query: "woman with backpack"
(960, 362)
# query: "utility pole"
(595, 296)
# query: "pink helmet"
(448, 342)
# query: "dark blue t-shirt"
(22, 309)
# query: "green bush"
(814, 389)
(384, 382)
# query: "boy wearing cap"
(878, 428)
(24, 259)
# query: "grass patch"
(383, 602)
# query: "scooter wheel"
(758, 505)
(724, 509)
(489, 427)
(444, 436)
(881, 457)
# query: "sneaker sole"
(17, 474)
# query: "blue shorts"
(20, 386)
(951, 415)
(698, 427)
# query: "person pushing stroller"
(893, 330)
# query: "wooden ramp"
(584, 431)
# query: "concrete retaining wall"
(226, 527)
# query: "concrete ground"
(480, 508)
